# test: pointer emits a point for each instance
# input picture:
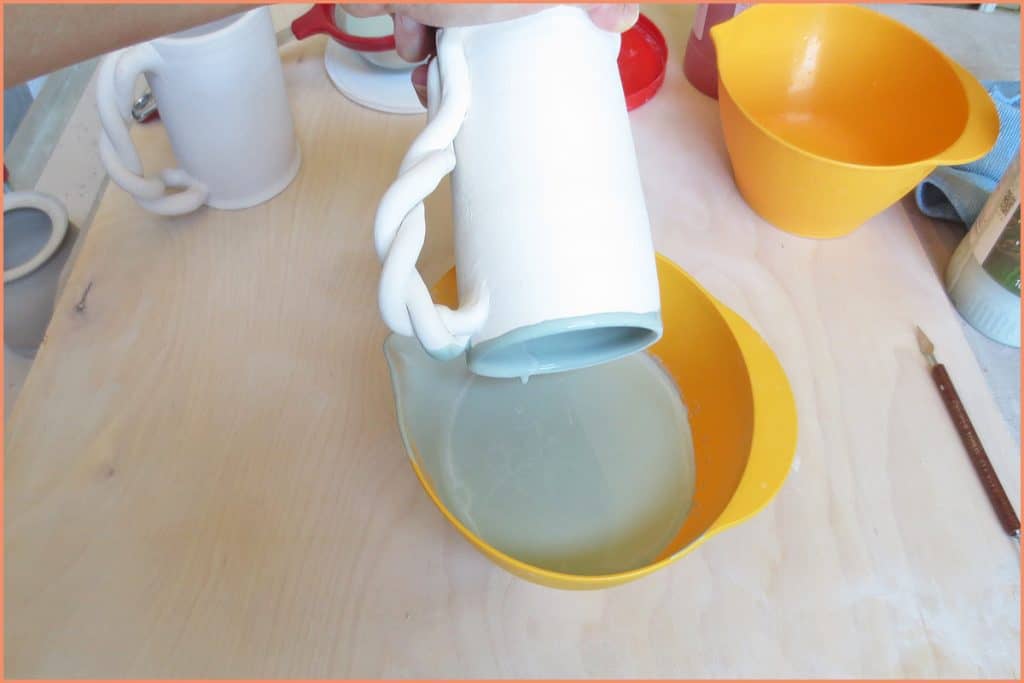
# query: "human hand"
(415, 25)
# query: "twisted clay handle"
(400, 224)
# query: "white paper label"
(997, 212)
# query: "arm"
(39, 39)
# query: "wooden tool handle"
(982, 465)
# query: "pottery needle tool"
(982, 465)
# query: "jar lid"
(642, 59)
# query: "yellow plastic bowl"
(742, 417)
(831, 113)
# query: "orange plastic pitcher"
(831, 113)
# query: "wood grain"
(205, 478)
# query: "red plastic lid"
(642, 60)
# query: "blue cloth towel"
(957, 193)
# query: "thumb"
(615, 18)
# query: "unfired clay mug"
(553, 251)
(222, 99)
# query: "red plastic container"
(700, 64)
(642, 58)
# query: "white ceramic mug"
(221, 93)
(553, 248)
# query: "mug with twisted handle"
(553, 250)
(221, 92)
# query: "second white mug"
(221, 92)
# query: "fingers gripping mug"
(553, 250)
(221, 93)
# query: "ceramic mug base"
(266, 195)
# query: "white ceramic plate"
(368, 85)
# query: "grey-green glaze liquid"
(585, 472)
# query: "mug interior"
(567, 344)
(364, 27)
(26, 232)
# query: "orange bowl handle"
(982, 126)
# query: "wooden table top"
(205, 477)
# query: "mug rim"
(624, 332)
(58, 217)
(336, 9)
